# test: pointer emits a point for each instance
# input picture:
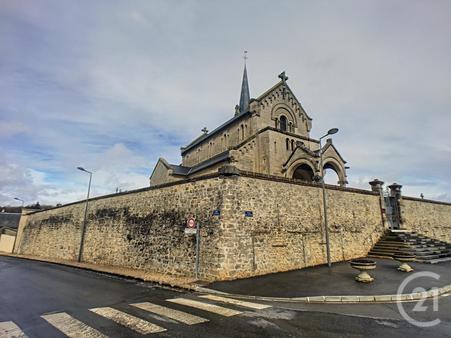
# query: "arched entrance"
(330, 174)
(333, 174)
(304, 172)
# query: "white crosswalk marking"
(137, 324)
(180, 316)
(72, 327)
(223, 311)
(11, 330)
(236, 302)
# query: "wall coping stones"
(160, 186)
(232, 171)
(424, 200)
(298, 182)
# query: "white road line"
(72, 327)
(137, 324)
(236, 302)
(180, 316)
(11, 330)
(223, 311)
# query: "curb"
(394, 298)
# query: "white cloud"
(114, 87)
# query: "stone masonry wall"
(428, 218)
(143, 230)
(286, 231)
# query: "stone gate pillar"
(396, 198)
(377, 186)
(395, 190)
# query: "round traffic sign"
(191, 223)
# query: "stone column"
(377, 186)
(395, 192)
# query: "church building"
(267, 135)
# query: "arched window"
(292, 144)
(283, 123)
(287, 143)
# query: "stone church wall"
(266, 224)
(216, 144)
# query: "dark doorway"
(304, 173)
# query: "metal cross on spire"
(245, 57)
(283, 77)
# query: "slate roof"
(185, 171)
(9, 220)
(204, 137)
(245, 96)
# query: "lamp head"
(332, 131)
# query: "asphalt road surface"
(47, 300)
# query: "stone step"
(430, 248)
(393, 243)
(381, 253)
(429, 257)
(428, 253)
(435, 261)
(378, 256)
(424, 248)
(389, 247)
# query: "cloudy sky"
(113, 85)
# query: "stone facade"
(272, 137)
(286, 229)
(429, 218)
(144, 229)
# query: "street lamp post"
(21, 210)
(326, 227)
(19, 199)
(83, 230)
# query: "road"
(47, 300)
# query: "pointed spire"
(245, 96)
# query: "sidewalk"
(339, 281)
(312, 285)
(162, 279)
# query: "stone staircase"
(426, 250)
